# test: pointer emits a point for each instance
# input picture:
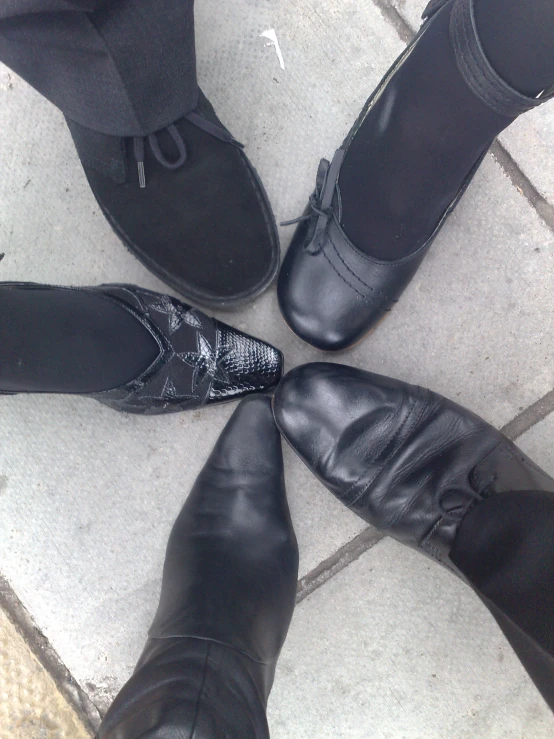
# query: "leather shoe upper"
(405, 459)
(227, 598)
(200, 361)
(330, 293)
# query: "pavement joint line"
(531, 416)
(499, 153)
(46, 655)
(522, 183)
(337, 562)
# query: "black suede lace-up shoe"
(189, 205)
(199, 361)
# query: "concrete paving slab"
(31, 707)
(393, 647)
(528, 140)
(88, 497)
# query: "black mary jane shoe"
(187, 202)
(200, 360)
(331, 293)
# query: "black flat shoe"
(188, 203)
(405, 459)
(331, 291)
(198, 360)
(436, 477)
(227, 598)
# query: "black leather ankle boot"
(344, 270)
(439, 479)
(228, 594)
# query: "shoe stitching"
(436, 452)
(393, 453)
(483, 87)
(352, 272)
(411, 502)
(363, 297)
(497, 99)
(418, 459)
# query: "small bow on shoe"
(454, 504)
(321, 201)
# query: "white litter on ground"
(272, 36)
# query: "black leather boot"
(439, 479)
(333, 289)
(187, 202)
(80, 340)
(228, 594)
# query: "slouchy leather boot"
(228, 593)
(439, 479)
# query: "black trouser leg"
(505, 547)
(124, 67)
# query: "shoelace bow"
(475, 496)
(321, 201)
(194, 118)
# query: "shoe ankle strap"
(475, 67)
(433, 7)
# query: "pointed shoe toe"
(201, 361)
(246, 365)
(198, 361)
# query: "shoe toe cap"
(245, 365)
(318, 304)
(339, 420)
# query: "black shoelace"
(321, 201)
(473, 498)
(139, 144)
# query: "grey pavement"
(383, 644)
